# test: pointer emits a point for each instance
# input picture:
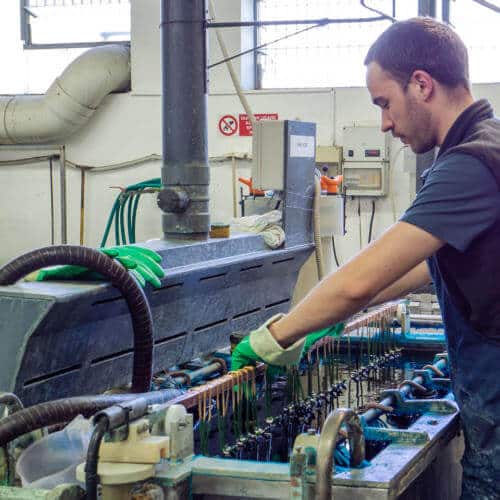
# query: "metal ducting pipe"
(185, 174)
(69, 102)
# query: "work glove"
(331, 331)
(143, 263)
(260, 346)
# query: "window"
(332, 55)
(327, 56)
(478, 27)
(74, 23)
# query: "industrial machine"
(367, 415)
(253, 434)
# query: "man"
(417, 73)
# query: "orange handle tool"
(248, 182)
(331, 184)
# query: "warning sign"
(246, 125)
(228, 125)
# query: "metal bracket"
(396, 435)
(414, 406)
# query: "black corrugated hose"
(132, 292)
(11, 401)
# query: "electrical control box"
(365, 161)
(279, 145)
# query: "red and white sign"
(228, 125)
(245, 125)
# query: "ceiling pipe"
(185, 174)
(69, 102)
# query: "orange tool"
(248, 182)
(331, 184)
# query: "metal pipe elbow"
(328, 441)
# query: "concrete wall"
(127, 127)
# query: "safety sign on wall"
(230, 125)
(245, 125)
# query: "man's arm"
(399, 250)
(418, 277)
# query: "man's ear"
(424, 84)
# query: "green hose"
(127, 202)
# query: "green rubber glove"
(260, 346)
(61, 273)
(331, 331)
(143, 263)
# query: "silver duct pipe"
(69, 102)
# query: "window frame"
(28, 44)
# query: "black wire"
(488, 5)
(255, 49)
(371, 222)
(321, 23)
(382, 14)
(335, 252)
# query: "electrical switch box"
(365, 161)
(277, 146)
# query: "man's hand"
(143, 263)
(260, 346)
(331, 331)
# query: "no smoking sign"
(228, 125)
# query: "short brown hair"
(422, 43)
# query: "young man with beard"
(417, 73)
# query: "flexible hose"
(91, 476)
(318, 252)
(128, 200)
(142, 321)
(64, 410)
(11, 401)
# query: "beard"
(419, 133)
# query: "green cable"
(309, 377)
(117, 224)
(122, 220)
(134, 214)
(108, 224)
(268, 396)
(117, 211)
(130, 202)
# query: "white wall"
(127, 127)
